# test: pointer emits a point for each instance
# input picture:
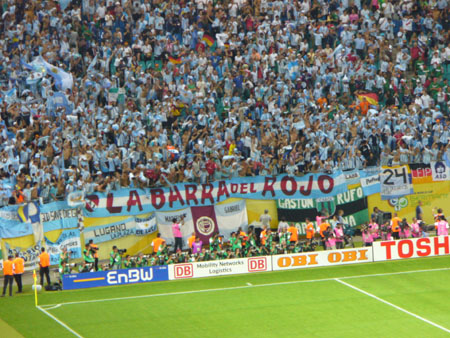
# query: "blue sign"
(59, 215)
(115, 277)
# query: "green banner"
(352, 202)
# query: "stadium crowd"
(172, 91)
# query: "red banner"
(205, 222)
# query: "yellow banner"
(433, 195)
(255, 208)
(133, 244)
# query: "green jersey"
(214, 244)
(252, 241)
(273, 250)
(64, 271)
(64, 258)
(204, 256)
(87, 256)
(141, 261)
(237, 244)
(269, 240)
(297, 249)
(128, 264)
(284, 238)
(181, 258)
(115, 259)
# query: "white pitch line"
(61, 323)
(393, 305)
(50, 308)
(246, 286)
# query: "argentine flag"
(63, 79)
(60, 100)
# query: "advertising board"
(321, 258)
(115, 277)
(220, 268)
(411, 248)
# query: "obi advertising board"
(115, 277)
(321, 258)
(411, 248)
(220, 268)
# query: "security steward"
(8, 267)
(19, 267)
(44, 264)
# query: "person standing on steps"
(176, 230)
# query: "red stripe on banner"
(205, 222)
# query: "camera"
(121, 251)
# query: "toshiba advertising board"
(321, 258)
(220, 268)
(411, 248)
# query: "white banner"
(109, 232)
(440, 171)
(395, 182)
(352, 177)
(411, 248)
(321, 258)
(30, 255)
(165, 221)
(69, 239)
(230, 217)
(146, 225)
(220, 268)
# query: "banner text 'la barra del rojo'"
(135, 201)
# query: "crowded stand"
(99, 95)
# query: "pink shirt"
(339, 234)
(353, 17)
(367, 237)
(374, 229)
(415, 229)
(331, 241)
(319, 220)
(197, 247)
(442, 228)
(406, 232)
(176, 230)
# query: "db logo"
(257, 264)
(184, 271)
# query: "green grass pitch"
(402, 299)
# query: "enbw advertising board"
(115, 277)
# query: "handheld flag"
(208, 40)
(175, 61)
(63, 79)
(372, 98)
